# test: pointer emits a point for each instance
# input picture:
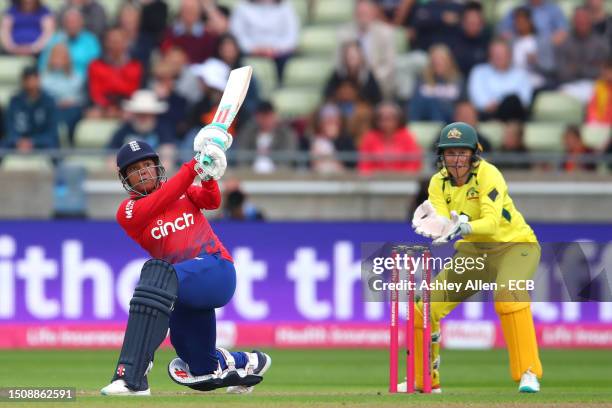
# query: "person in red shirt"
(190, 34)
(165, 219)
(389, 146)
(112, 78)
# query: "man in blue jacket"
(31, 118)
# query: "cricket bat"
(231, 101)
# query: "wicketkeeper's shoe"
(120, 388)
(258, 364)
(436, 388)
(529, 382)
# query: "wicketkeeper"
(469, 198)
(189, 276)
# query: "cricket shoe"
(529, 383)
(258, 364)
(119, 387)
(435, 389)
(179, 372)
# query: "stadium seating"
(401, 41)
(596, 136)
(89, 163)
(307, 71)
(544, 136)
(556, 106)
(301, 9)
(425, 133)
(494, 131)
(503, 7)
(265, 72)
(318, 40)
(94, 133)
(333, 11)
(11, 67)
(6, 92)
(296, 101)
(34, 162)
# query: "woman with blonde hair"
(65, 85)
(438, 87)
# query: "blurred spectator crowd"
(339, 85)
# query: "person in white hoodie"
(266, 28)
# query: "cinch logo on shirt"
(164, 229)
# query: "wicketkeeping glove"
(427, 222)
(458, 225)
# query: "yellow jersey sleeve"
(436, 195)
(493, 189)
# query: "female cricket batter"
(190, 274)
(468, 197)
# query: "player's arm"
(207, 196)
(493, 189)
(143, 209)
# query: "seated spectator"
(385, 147)
(112, 78)
(163, 84)
(513, 144)
(229, 52)
(212, 78)
(356, 113)
(187, 83)
(435, 22)
(66, 85)
(599, 110)
(329, 139)
(471, 45)
(377, 40)
(466, 112)
(575, 151)
(266, 28)
(354, 69)
(142, 122)
(389, 9)
(139, 46)
(31, 118)
(26, 27)
(602, 20)
(264, 138)
(190, 34)
(550, 25)
(525, 47)
(583, 53)
(236, 205)
(93, 13)
(498, 90)
(153, 17)
(217, 16)
(82, 44)
(438, 88)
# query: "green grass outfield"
(300, 378)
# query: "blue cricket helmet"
(133, 152)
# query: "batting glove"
(211, 162)
(212, 134)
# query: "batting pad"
(150, 310)
(520, 337)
